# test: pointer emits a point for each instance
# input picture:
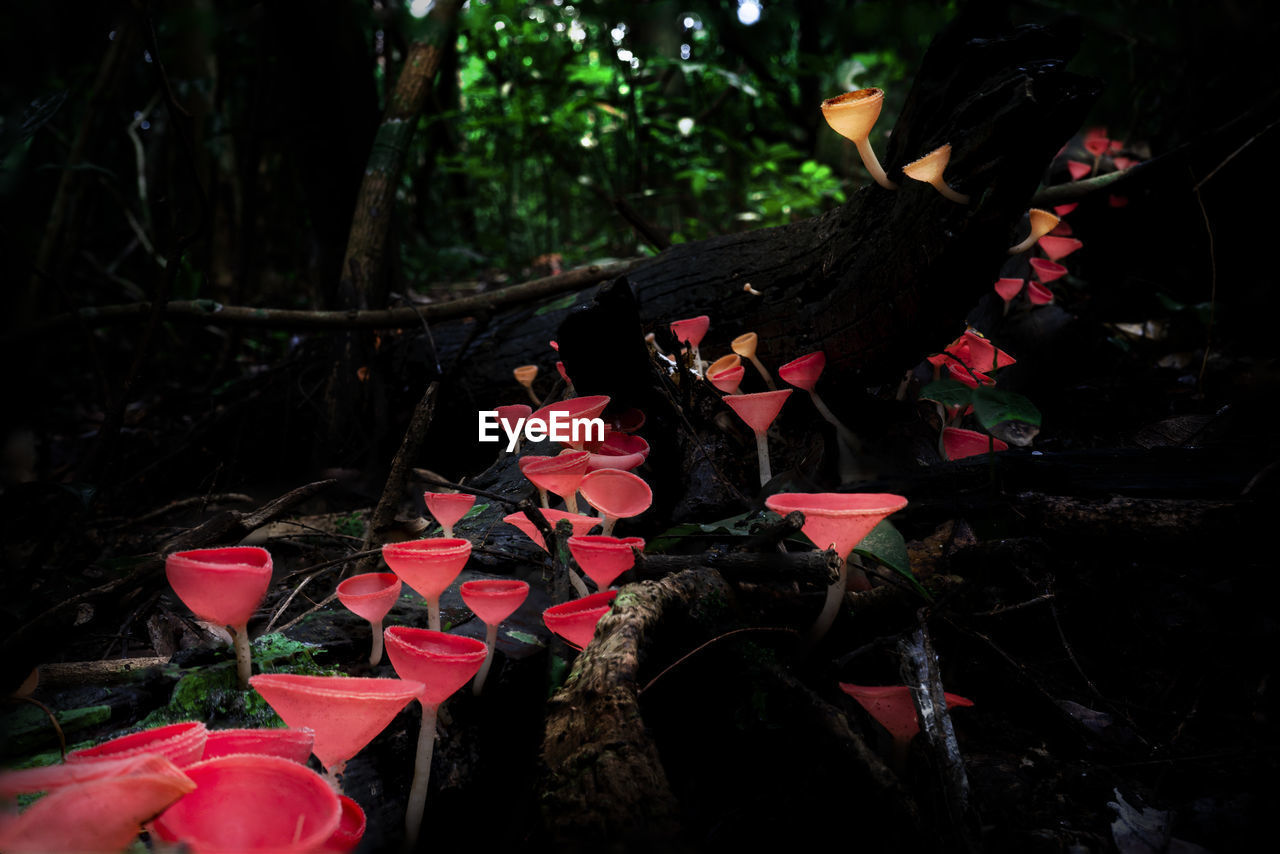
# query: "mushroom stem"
(869, 160)
(579, 586)
(945, 189)
(244, 657)
(490, 643)
(571, 501)
(375, 655)
(764, 372)
(433, 614)
(421, 775)
(762, 451)
(448, 531)
(606, 527)
(831, 607)
(845, 434)
(532, 396)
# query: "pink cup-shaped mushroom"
(252, 803)
(492, 600)
(1039, 294)
(512, 418)
(803, 373)
(979, 353)
(566, 415)
(575, 621)
(759, 410)
(1047, 271)
(728, 380)
(1058, 248)
(429, 567)
(371, 595)
(893, 709)
(181, 743)
(346, 713)
(560, 474)
(581, 524)
(839, 521)
(351, 827)
(619, 451)
(92, 806)
(605, 558)
(292, 744)
(958, 444)
(1007, 289)
(448, 508)
(691, 331)
(223, 586)
(616, 494)
(442, 664)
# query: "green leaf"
(992, 406)
(948, 393)
(885, 545)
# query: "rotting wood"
(605, 781)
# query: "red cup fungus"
(492, 600)
(575, 621)
(616, 494)
(759, 410)
(448, 508)
(429, 567)
(372, 596)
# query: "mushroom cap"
(351, 827)
(588, 406)
(1009, 288)
(1039, 294)
(1042, 222)
(605, 558)
(525, 374)
(224, 585)
(837, 520)
(428, 566)
(758, 409)
(1063, 210)
(628, 420)
(616, 493)
(727, 380)
(929, 168)
(292, 744)
(958, 443)
(494, 599)
(180, 743)
(513, 412)
(1059, 247)
(724, 363)
(576, 620)
(978, 352)
(99, 813)
(252, 803)
(370, 595)
(619, 451)
(442, 663)
(448, 508)
(1078, 170)
(581, 524)
(49, 778)
(892, 707)
(1047, 271)
(803, 372)
(691, 330)
(969, 376)
(853, 114)
(745, 344)
(346, 712)
(560, 474)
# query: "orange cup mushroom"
(745, 346)
(852, 115)
(930, 168)
(1042, 222)
(525, 375)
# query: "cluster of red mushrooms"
(251, 790)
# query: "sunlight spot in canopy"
(420, 8)
(748, 11)
(685, 125)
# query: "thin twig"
(703, 646)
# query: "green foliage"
(992, 406)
